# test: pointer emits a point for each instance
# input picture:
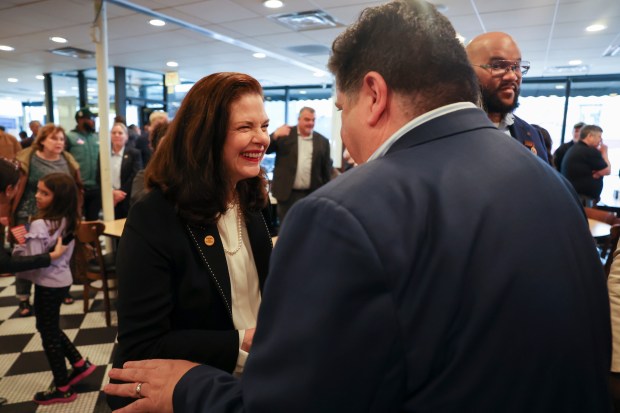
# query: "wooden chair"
(99, 267)
(603, 216)
(606, 245)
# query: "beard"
(493, 104)
(88, 127)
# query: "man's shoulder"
(520, 121)
(132, 151)
(579, 152)
(564, 147)
(319, 135)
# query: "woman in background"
(46, 155)
(198, 239)
(125, 162)
(155, 136)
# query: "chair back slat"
(88, 233)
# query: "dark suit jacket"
(286, 163)
(530, 137)
(131, 164)
(454, 274)
(142, 144)
(174, 298)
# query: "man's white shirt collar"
(414, 123)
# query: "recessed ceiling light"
(575, 62)
(319, 73)
(62, 92)
(559, 86)
(41, 93)
(6, 48)
(157, 22)
(273, 4)
(90, 89)
(461, 38)
(302, 92)
(40, 77)
(172, 64)
(57, 39)
(74, 88)
(596, 28)
(12, 80)
(259, 55)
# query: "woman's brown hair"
(188, 167)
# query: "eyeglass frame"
(521, 67)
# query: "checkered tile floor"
(23, 367)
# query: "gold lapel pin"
(209, 240)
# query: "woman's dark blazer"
(174, 297)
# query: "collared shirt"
(304, 162)
(116, 160)
(414, 123)
(504, 125)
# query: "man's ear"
(375, 88)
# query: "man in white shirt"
(303, 163)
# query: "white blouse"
(244, 285)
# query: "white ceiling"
(549, 32)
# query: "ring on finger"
(138, 390)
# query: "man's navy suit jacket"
(454, 274)
(528, 135)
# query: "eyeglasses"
(501, 67)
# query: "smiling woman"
(198, 238)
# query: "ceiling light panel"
(273, 4)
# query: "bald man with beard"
(496, 59)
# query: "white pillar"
(100, 37)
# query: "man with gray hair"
(421, 280)
(303, 163)
(586, 163)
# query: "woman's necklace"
(239, 232)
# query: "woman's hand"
(59, 249)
